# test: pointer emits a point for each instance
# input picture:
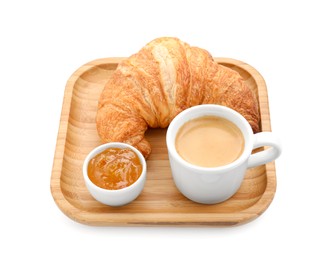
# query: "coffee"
(209, 141)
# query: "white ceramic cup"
(213, 185)
(118, 197)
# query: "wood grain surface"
(160, 203)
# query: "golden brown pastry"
(165, 77)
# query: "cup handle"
(268, 155)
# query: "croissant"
(165, 77)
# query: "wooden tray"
(160, 203)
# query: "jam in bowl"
(115, 173)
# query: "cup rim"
(218, 169)
(100, 149)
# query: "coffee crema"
(209, 141)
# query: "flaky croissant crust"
(164, 78)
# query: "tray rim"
(164, 219)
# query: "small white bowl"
(118, 197)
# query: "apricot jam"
(114, 168)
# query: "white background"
(43, 42)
